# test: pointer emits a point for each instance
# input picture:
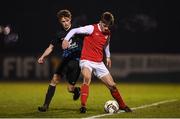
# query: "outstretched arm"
(108, 59)
(80, 30)
(108, 54)
(45, 54)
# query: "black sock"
(49, 95)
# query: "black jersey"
(74, 51)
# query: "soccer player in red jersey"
(96, 40)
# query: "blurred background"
(144, 43)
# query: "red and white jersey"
(93, 45)
(94, 42)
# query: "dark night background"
(142, 26)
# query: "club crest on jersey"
(72, 45)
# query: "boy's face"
(104, 27)
(7, 30)
(65, 22)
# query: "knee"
(113, 87)
(86, 75)
(55, 79)
(87, 80)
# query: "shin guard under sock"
(49, 95)
(84, 94)
(116, 95)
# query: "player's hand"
(108, 62)
(41, 60)
(65, 44)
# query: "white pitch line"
(134, 108)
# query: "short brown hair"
(64, 13)
(107, 18)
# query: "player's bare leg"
(50, 93)
(85, 88)
(109, 82)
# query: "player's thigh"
(62, 68)
(73, 72)
(86, 73)
(100, 70)
(108, 80)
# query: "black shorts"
(69, 68)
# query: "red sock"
(116, 95)
(84, 94)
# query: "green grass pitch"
(21, 99)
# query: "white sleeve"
(107, 51)
(80, 30)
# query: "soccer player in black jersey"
(69, 65)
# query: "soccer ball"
(111, 106)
